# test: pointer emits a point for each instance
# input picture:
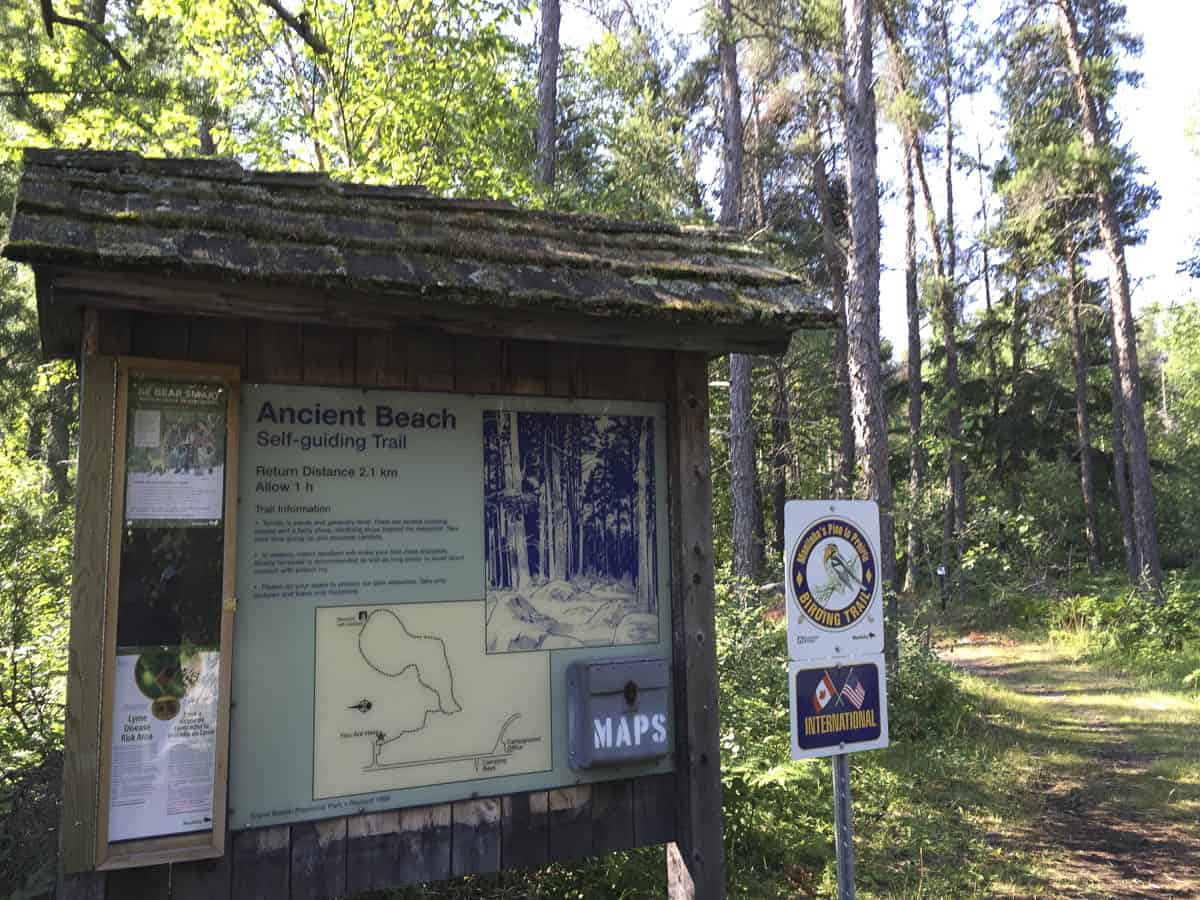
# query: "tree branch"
(299, 24)
(68, 92)
(50, 18)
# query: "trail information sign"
(417, 572)
(831, 572)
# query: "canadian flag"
(824, 693)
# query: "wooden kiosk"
(393, 541)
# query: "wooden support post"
(82, 732)
(696, 863)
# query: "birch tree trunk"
(547, 92)
(1124, 332)
(862, 296)
(916, 470)
(1083, 426)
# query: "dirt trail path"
(1112, 772)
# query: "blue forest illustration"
(570, 532)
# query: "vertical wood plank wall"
(345, 855)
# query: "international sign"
(832, 573)
(838, 707)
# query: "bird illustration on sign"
(843, 575)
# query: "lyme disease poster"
(415, 572)
(163, 742)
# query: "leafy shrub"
(924, 701)
(1118, 626)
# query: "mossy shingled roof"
(211, 219)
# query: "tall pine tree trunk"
(955, 477)
(547, 93)
(957, 466)
(1079, 363)
(1129, 546)
(60, 411)
(781, 439)
(862, 296)
(916, 471)
(742, 467)
(741, 421)
(1018, 313)
(993, 367)
(1124, 332)
(835, 262)
(913, 158)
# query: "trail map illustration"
(405, 697)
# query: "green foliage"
(623, 149)
(35, 558)
(765, 828)
(925, 704)
(433, 92)
(1133, 630)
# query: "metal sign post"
(843, 827)
(837, 677)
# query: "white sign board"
(164, 743)
(838, 706)
(832, 569)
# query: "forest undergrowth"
(948, 810)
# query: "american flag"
(854, 691)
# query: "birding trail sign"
(831, 572)
(838, 706)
